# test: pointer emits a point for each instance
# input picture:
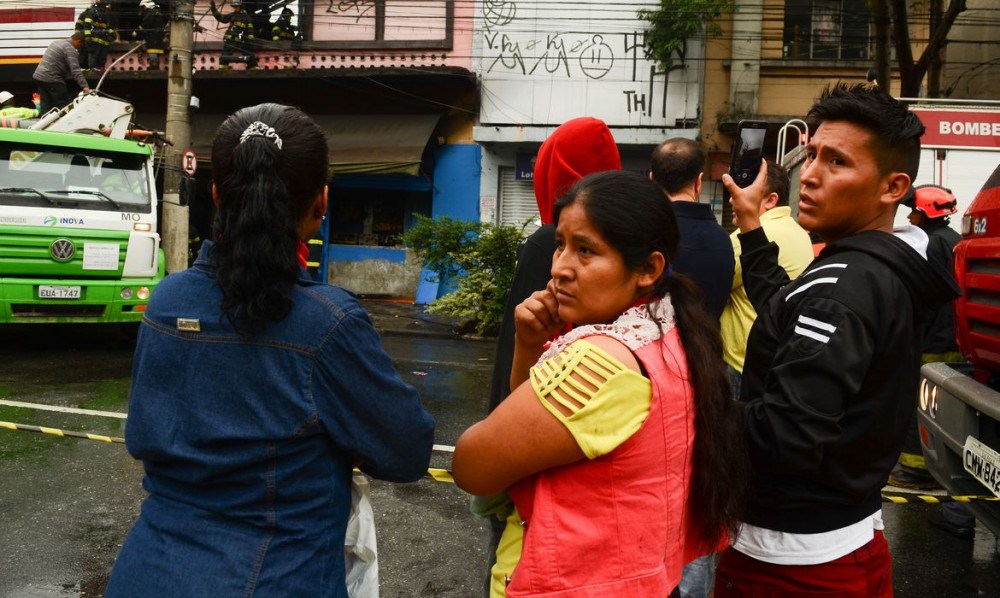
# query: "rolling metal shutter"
(517, 201)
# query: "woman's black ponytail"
(721, 466)
(269, 165)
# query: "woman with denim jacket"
(255, 391)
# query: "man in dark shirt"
(705, 252)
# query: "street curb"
(402, 319)
(431, 334)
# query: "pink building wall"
(416, 34)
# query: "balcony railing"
(343, 34)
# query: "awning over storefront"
(383, 143)
(359, 143)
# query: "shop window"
(827, 30)
(375, 217)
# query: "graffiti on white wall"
(544, 63)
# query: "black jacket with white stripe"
(831, 375)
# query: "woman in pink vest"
(619, 444)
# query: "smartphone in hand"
(748, 151)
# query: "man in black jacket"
(833, 357)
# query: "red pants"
(864, 573)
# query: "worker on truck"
(60, 63)
(8, 110)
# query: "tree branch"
(901, 40)
(955, 7)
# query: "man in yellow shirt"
(794, 254)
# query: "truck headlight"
(127, 293)
(143, 293)
(928, 398)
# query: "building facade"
(541, 64)
(389, 80)
(776, 56)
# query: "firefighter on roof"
(237, 43)
(97, 35)
(283, 29)
(151, 30)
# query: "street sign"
(189, 163)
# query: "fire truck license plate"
(983, 463)
(48, 291)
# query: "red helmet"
(933, 201)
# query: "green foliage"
(677, 21)
(483, 255)
(440, 242)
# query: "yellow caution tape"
(61, 433)
(933, 500)
(444, 476)
(441, 475)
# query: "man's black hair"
(895, 129)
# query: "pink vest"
(616, 525)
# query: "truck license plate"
(983, 463)
(48, 291)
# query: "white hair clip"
(259, 129)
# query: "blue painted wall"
(456, 182)
(357, 253)
(456, 195)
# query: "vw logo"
(62, 250)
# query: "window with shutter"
(517, 201)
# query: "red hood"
(577, 148)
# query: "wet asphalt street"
(66, 504)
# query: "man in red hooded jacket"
(578, 147)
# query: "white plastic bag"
(360, 549)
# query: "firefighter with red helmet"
(98, 34)
(931, 203)
(930, 206)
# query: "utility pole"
(174, 232)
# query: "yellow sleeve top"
(600, 401)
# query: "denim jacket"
(248, 443)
